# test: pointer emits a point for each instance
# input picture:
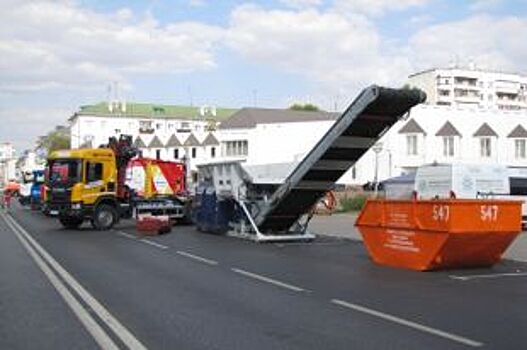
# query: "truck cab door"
(94, 183)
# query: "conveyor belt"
(372, 113)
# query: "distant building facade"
(263, 135)
(474, 88)
(482, 119)
(29, 161)
(7, 162)
(430, 134)
(160, 131)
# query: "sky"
(58, 55)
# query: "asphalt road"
(188, 290)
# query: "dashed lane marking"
(197, 258)
(489, 276)
(410, 324)
(268, 280)
(142, 240)
(127, 235)
(154, 244)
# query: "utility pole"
(377, 148)
(191, 100)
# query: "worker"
(7, 199)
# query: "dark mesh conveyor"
(372, 113)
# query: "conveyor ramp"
(372, 113)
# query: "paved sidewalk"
(342, 226)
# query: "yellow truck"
(90, 185)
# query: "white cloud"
(484, 5)
(197, 3)
(375, 7)
(59, 44)
(300, 4)
(333, 50)
(489, 41)
(29, 124)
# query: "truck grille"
(60, 195)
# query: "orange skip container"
(436, 234)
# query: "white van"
(518, 182)
(461, 181)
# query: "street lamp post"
(377, 148)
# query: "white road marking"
(96, 331)
(142, 240)
(403, 322)
(268, 280)
(120, 330)
(493, 275)
(154, 244)
(197, 258)
(281, 245)
(127, 235)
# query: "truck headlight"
(76, 206)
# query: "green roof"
(142, 110)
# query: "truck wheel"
(104, 217)
(70, 222)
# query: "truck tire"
(104, 217)
(70, 222)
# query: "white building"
(449, 135)
(7, 162)
(160, 131)
(264, 136)
(430, 134)
(30, 161)
(482, 118)
(459, 87)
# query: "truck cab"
(83, 186)
(91, 184)
(36, 189)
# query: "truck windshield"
(64, 171)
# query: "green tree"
(309, 107)
(59, 138)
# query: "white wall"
(99, 129)
(30, 162)
(286, 142)
(467, 148)
(7, 162)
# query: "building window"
(353, 173)
(194, 152)
(485, 146)
(184, 127)
(158, 154)
(176, 153)
(213, 152)
(448, 146)
(519, 149)
(411, 145)
(145, 127)
(236, 148)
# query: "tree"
(309, 107)
(59, 138)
